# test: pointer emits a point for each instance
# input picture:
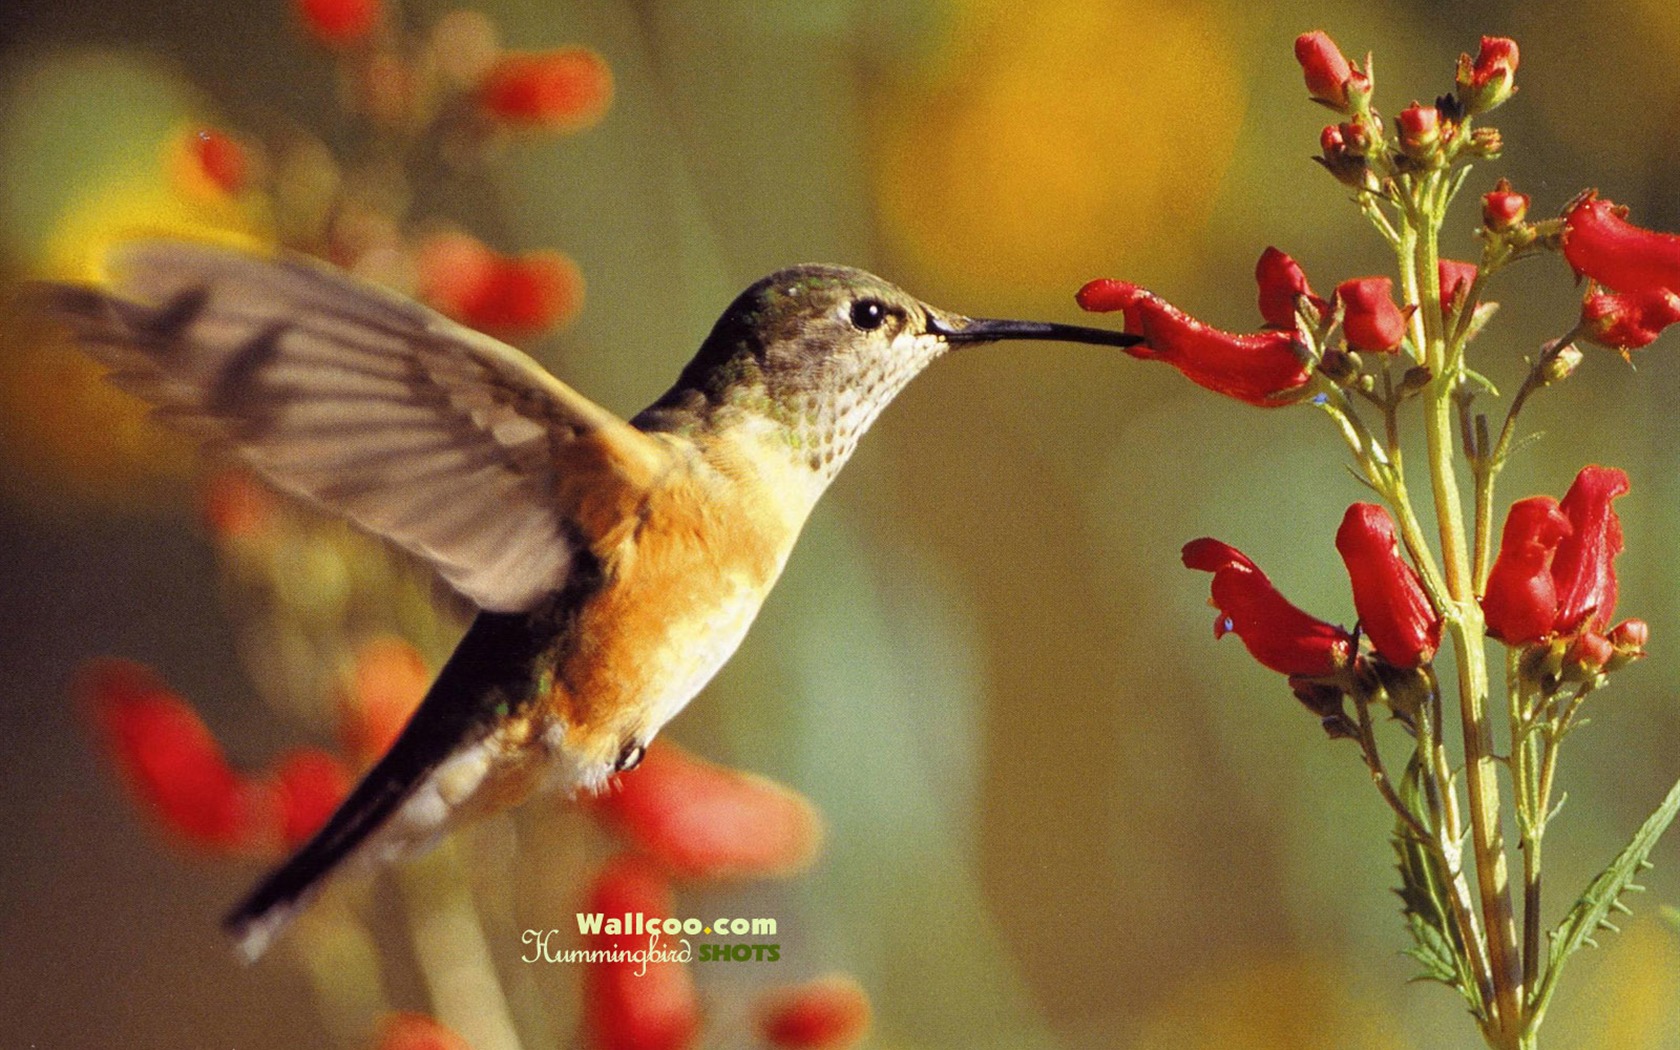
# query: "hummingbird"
(615, 565)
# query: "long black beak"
(981, 330)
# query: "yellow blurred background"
(1060, 814)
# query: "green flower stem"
(1419, 261)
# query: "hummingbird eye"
(868, 314)
(629, 758)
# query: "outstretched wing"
(444, 441)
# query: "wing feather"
(444, 441)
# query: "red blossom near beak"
(411, 1031)
(700, 820)
(1490, 78)
(1370, 320)
(1420, 129)
(1254, 368)
(1628, 321)
(1456, 279)
(1330, 78)
(1599, 243)
(340, 23)
(1282, 282)
(1585, 565)
(625, 1007)
(1520, 600)
(1277, 634)
(309, 784)
(502, 295)
(829, 1013)
(1393, 610)
(171, 763)
(566, 89)
(1504, 208)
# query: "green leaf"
(1603, 895)
(1423, 903)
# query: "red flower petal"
(1393, 610)
(411, 1031)
(170, 762)
(1277, 634)
(337, 23)
(1420, 129)
(1281, 282)
(1585, 565)
(1370, 320)
(701, 820)
(1254, 368)
(1490, 78)
(222, 160)
(309, 784)
(1520, 599)
(1456, 278)
(507, 296)
(388, 682)
(829, 1013)
(627, 1006)
(561, 90)
(1324, 67)
(236, 505)
(1602, 245)
(1628, 321)
(1504, 208)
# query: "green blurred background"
(1060, 815)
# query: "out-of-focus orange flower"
(566, 89)
(700, 820)
(412, 1031)
(170, 761)
(631, 1005)
(829, 1013)
(388, 681)
(208, 162)
(503, 295)
(236, 506)
(339, 23)
(308, 784)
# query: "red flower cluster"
(174, 768)
(1555, 575)
(510, 296)
(689, 819)
(1640, 266)
(1394, 612)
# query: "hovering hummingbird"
(616, 565)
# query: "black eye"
(629, 758)
(868, 314)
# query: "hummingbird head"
(819, 351)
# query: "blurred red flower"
(502, 295)
(829, 1013)
(629, 1004)
(561, 90)
(339, 23)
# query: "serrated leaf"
(1423, 903)
(1592, 912)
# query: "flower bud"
(1393, 610)
(1503, 208)
(1277, 634)
(1588, 655)
(1328, 73)
(1628, 638)
(1485, 143)
(1340, 159)
(1420, 130)
(1489, 79)
(1456, 279)
(1370, 320)
(1561, 365)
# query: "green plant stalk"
(1419, 261)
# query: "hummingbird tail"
(449, 727)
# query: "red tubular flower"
(1393, 610)
(1420, 130)
(1599, 243)
(170, 762)
(309, 784)
(627, 1006)
(1490, 78)
(1277, 634)
(1456, 279)
(1504, 208)
(339, 23)
(1370, 320)
(411, 1031)
(1628, 321)
(700, 820)
(1520, 600)
(1327, 71)
(1585, 565)
(562, 90)
(830, 1013)
(498, 294)
(1254, 368)
(1281, 282)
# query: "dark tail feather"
(490, 666)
